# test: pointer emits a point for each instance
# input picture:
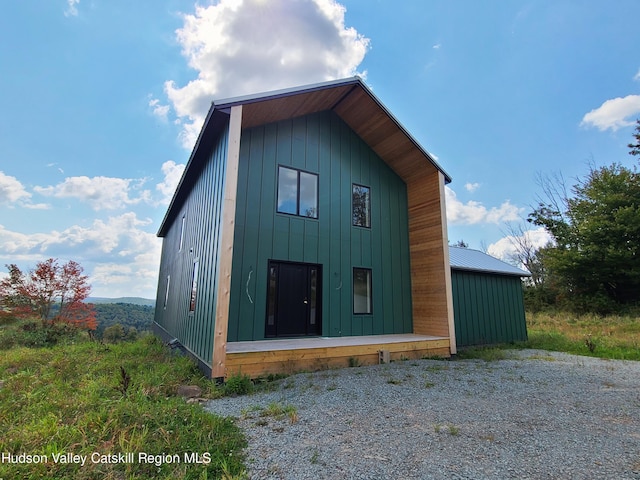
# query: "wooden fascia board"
(226, 245)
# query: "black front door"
(293, 299)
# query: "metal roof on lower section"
(477, 261)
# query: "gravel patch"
(537, 415)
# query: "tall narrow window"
(361, 202)
(287, 190)
(362, 300)
(194, 288)
(271, 297)
(308, 195)
(297, 192)
(182, 225)
(313, 295)
(166, 293)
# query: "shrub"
(34, 335)
(238, 384)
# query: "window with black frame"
(361, 203)
(362, 293)
(194, 288)
(297, 192)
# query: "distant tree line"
(593, 261)
(122, 321)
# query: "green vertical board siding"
(488, 308)
(202, 212)
(324, 145)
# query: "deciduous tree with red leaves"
(49, 284)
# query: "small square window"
(362, 294)
(297, 192)
(361, 203)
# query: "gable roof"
(477, 261)
(349, 98)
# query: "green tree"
(461, 244)
(635, 147)
(114, 333)
(132, 333)
(595, 262)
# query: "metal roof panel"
(477, 261)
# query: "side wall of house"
(430, 272)
(488, 308)
(194, 238)
(322, 144)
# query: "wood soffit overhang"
(354, 102)
(350, 99)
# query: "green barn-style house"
(308, 231)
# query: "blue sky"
(101, 102)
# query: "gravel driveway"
(535, 415)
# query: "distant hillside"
(132, 300)
(126, 314)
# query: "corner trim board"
(218, 366)
(447, 271)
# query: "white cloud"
(637, 76)
(160, 111)
(437, 46)
(471, 187)
(19, 246)
(51, 165)
(72, 8)
(11, 190)
(102, 237)
(106, 249)
(37, 206)
(506, 248)
(250, 46)
(115, 279)
(102, 193)
(172, 173)
(614, 113)
(472, 212)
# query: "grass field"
(61, 393)
(97, 401)
(613, 337)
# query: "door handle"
(305, 301)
